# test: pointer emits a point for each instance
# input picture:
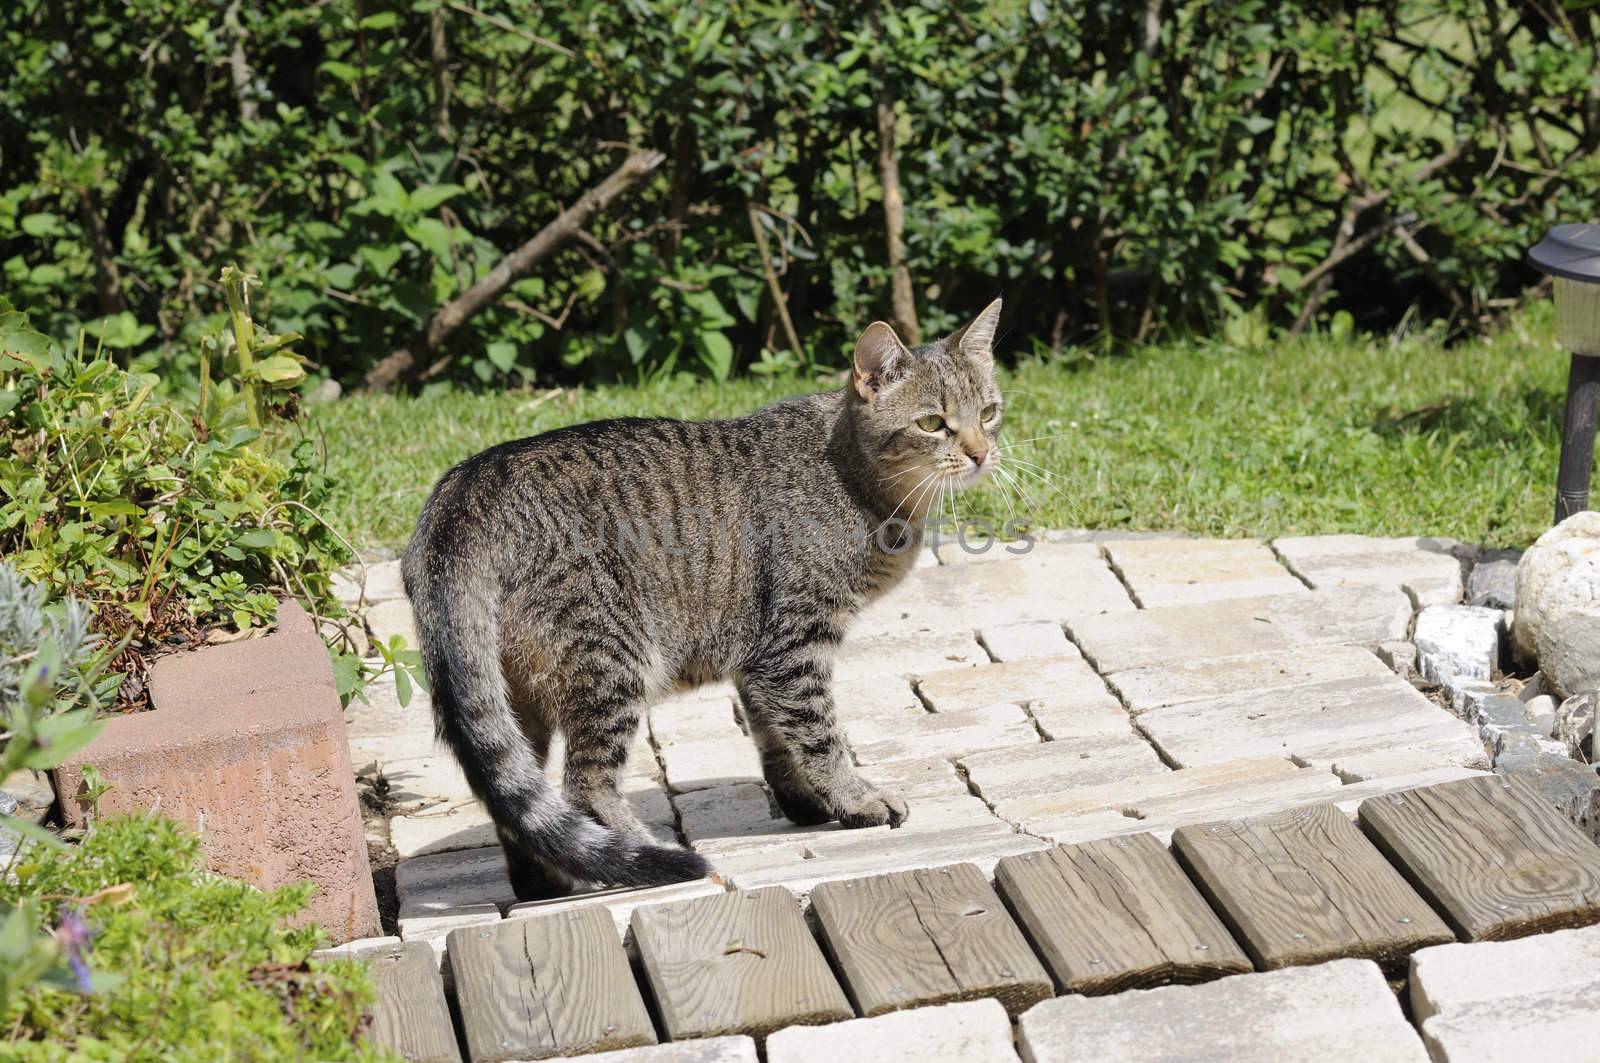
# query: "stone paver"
(393, 618)
(943, 734)
(1054, 582)
(429, 885)
(976, 1031)
(619, 903)
(1188, 571)
(707, 763)
(1510, 1000)
(1237, 627)
(1191, 678)
(1339, 1010)
(919, 777)
(1456, 642)
(800, 867)
(880, 698)
(1061, 681)
(701, 1050)
(383, 583)
(1424, 568)
(1311, 724)
(1062, 765)
(869, 656)
(1031, 638)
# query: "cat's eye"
(931, 423)
(990, 412)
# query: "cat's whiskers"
(909, 495)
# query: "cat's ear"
(880, 360)
(976, 338)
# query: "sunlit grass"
(1368, 436)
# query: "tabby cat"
(569, 580)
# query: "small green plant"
(168, 516)
(50, 684)
(204, 967)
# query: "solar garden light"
(1571, 254)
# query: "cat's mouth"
(970, 475)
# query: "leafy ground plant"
(203, 967)
(170, 517)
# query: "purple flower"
(73, 935)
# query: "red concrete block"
(246, 744)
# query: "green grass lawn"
(1368, 436)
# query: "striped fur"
(568, 580)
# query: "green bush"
(1115, 175)
(200, 967)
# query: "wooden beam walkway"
(1480, 859)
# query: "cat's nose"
(979, 455)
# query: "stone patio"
(1083, 689)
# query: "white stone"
(1530, 998)
(382, 716)
(1164, 572)
(694, 720)
(383, 583)
(1575, 724)
(618, 903)
(706, 764)
(1125, 794)
(420, 783)
(703, 1050)
(1059, 679)
(1340, 1010)
(1409, 753)
(351, 948)
(1052, 582)
(1426, 569)
(1074, 717)
(942, 734)
(1191, 678)
(1561, 1025)
(1458, 642)
(1064, 764)
(1116, 642)
(880, 698)
(870, 656)
(442, 830)
(920, 777)
(1310, 724)
(389, 619)
(1558, 604)
(439, 883)
(976, 1031)
(1033, 638)
(801, 868)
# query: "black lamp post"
(1571, 254)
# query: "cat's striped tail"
(457, 618)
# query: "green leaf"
(380, 257)
(281, 370)
(503, 355)
(342, 71)
(716, 354)
(41, 225)
(428, 197)
(257, 538)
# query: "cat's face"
(932, 414)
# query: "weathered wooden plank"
(927, 936)
(1114, 914)
(1491, 854)
(411, 1017)
(547, 985)
(1304, 886)
(739, 963)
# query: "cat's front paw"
(872, 808)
